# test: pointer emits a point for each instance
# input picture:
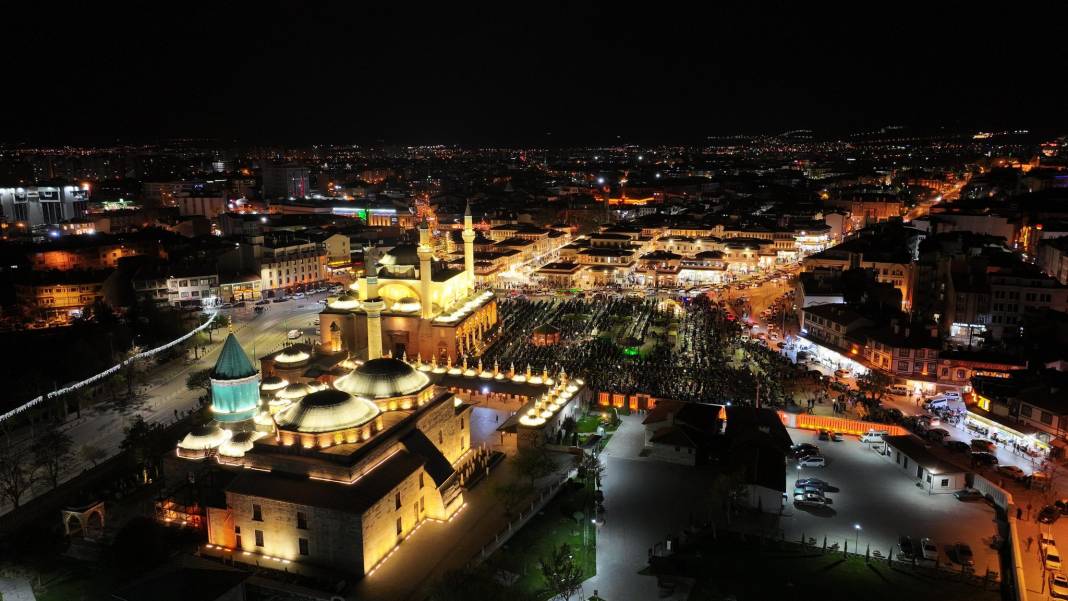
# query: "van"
(873, 436)
(899, 390)
(293, 334)
(936, 403)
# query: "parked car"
(1049, 514)
(983, 458)
(804, 450)
(837, 437)
(811, 499)
(280, 299)
(937, 434)
(899, 390)
(801, 489)
(293, 334)
(905, 547)
(824, 435)
(957, 446)
(1051, 558)
(1045, 539)
(1012, 471)
(263, 302)
(812, 461)
(962, 554)
(298, 295)
(1061, 504)
(928, 549)
(968, 494)
(814, 482)
(981, 444)
(1058, 586)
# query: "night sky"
(536, 74)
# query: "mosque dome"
(273, 383)
(347, 300)
(291, 357)
(402, 254)
(294, 392)
(408, 304)
(382, 378)
(204, 437)
(326, 410)
(239, 444)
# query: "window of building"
(945, 482)
(902, 365)
(441, 438)
(302, 544)
(257, 513)
(399, 527)
(421, 479)
(422, 504)
(1025, 410)
(259, 538)
(302, 520)
(1047, 418)
(397, 500)
(461, 423)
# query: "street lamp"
(856, 542)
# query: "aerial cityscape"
(553, 303)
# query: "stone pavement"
(645, 501)
(16, 589)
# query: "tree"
(534, 463)
(873, 385)
(475, 583)
(199, 380)
(51, 451)
(132, 369)
(16, 476)
(93, 454)
(563, 577)
(144, 444)
(589, 467)
(511, 494)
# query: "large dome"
(326, 411)
(382, 379)
(402, 254)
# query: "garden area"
(733, 567)
(566, 520)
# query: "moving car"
(812, 461)
(968, 494)
(1049, 514)
(962, 554)
(905, 547)
(929, 549)
(1052, 558)
(1058, 586)
(1012, 471)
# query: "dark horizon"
(500, 76)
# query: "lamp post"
(856, 542)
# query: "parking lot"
(880, 498)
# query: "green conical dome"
(233, 363)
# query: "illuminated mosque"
(335, 467)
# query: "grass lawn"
(554, 526)
(588, 423)
(71, 580)
(749, 570)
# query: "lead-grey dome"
(327, 410)
(382, 379)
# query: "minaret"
(235, 387)
(372, 305)
(469, 247)
(425, 252)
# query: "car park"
(928, 549)
(812, 461)
(1049, 514)
(1058, 586)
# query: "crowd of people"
(693, 353)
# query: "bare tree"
(563, 577)
(93, 454)
(51, 451)
(16, 476)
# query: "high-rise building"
(285, 181)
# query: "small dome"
(294, 392)
(326, 411)
(408, 304)
(205, 437)
(291, 357)
(272, 383)
(382, 379)
(347, 300)
(239, 444)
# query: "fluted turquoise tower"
(235, 385)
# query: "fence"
(1003, 499)
(107, 372)
(513, 526)
(836, 424)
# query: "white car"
(298, 295)
(812, 461)
(1052, 558)
(1045, 539)
(1058, 586)
(929, 549)
(293, 334)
